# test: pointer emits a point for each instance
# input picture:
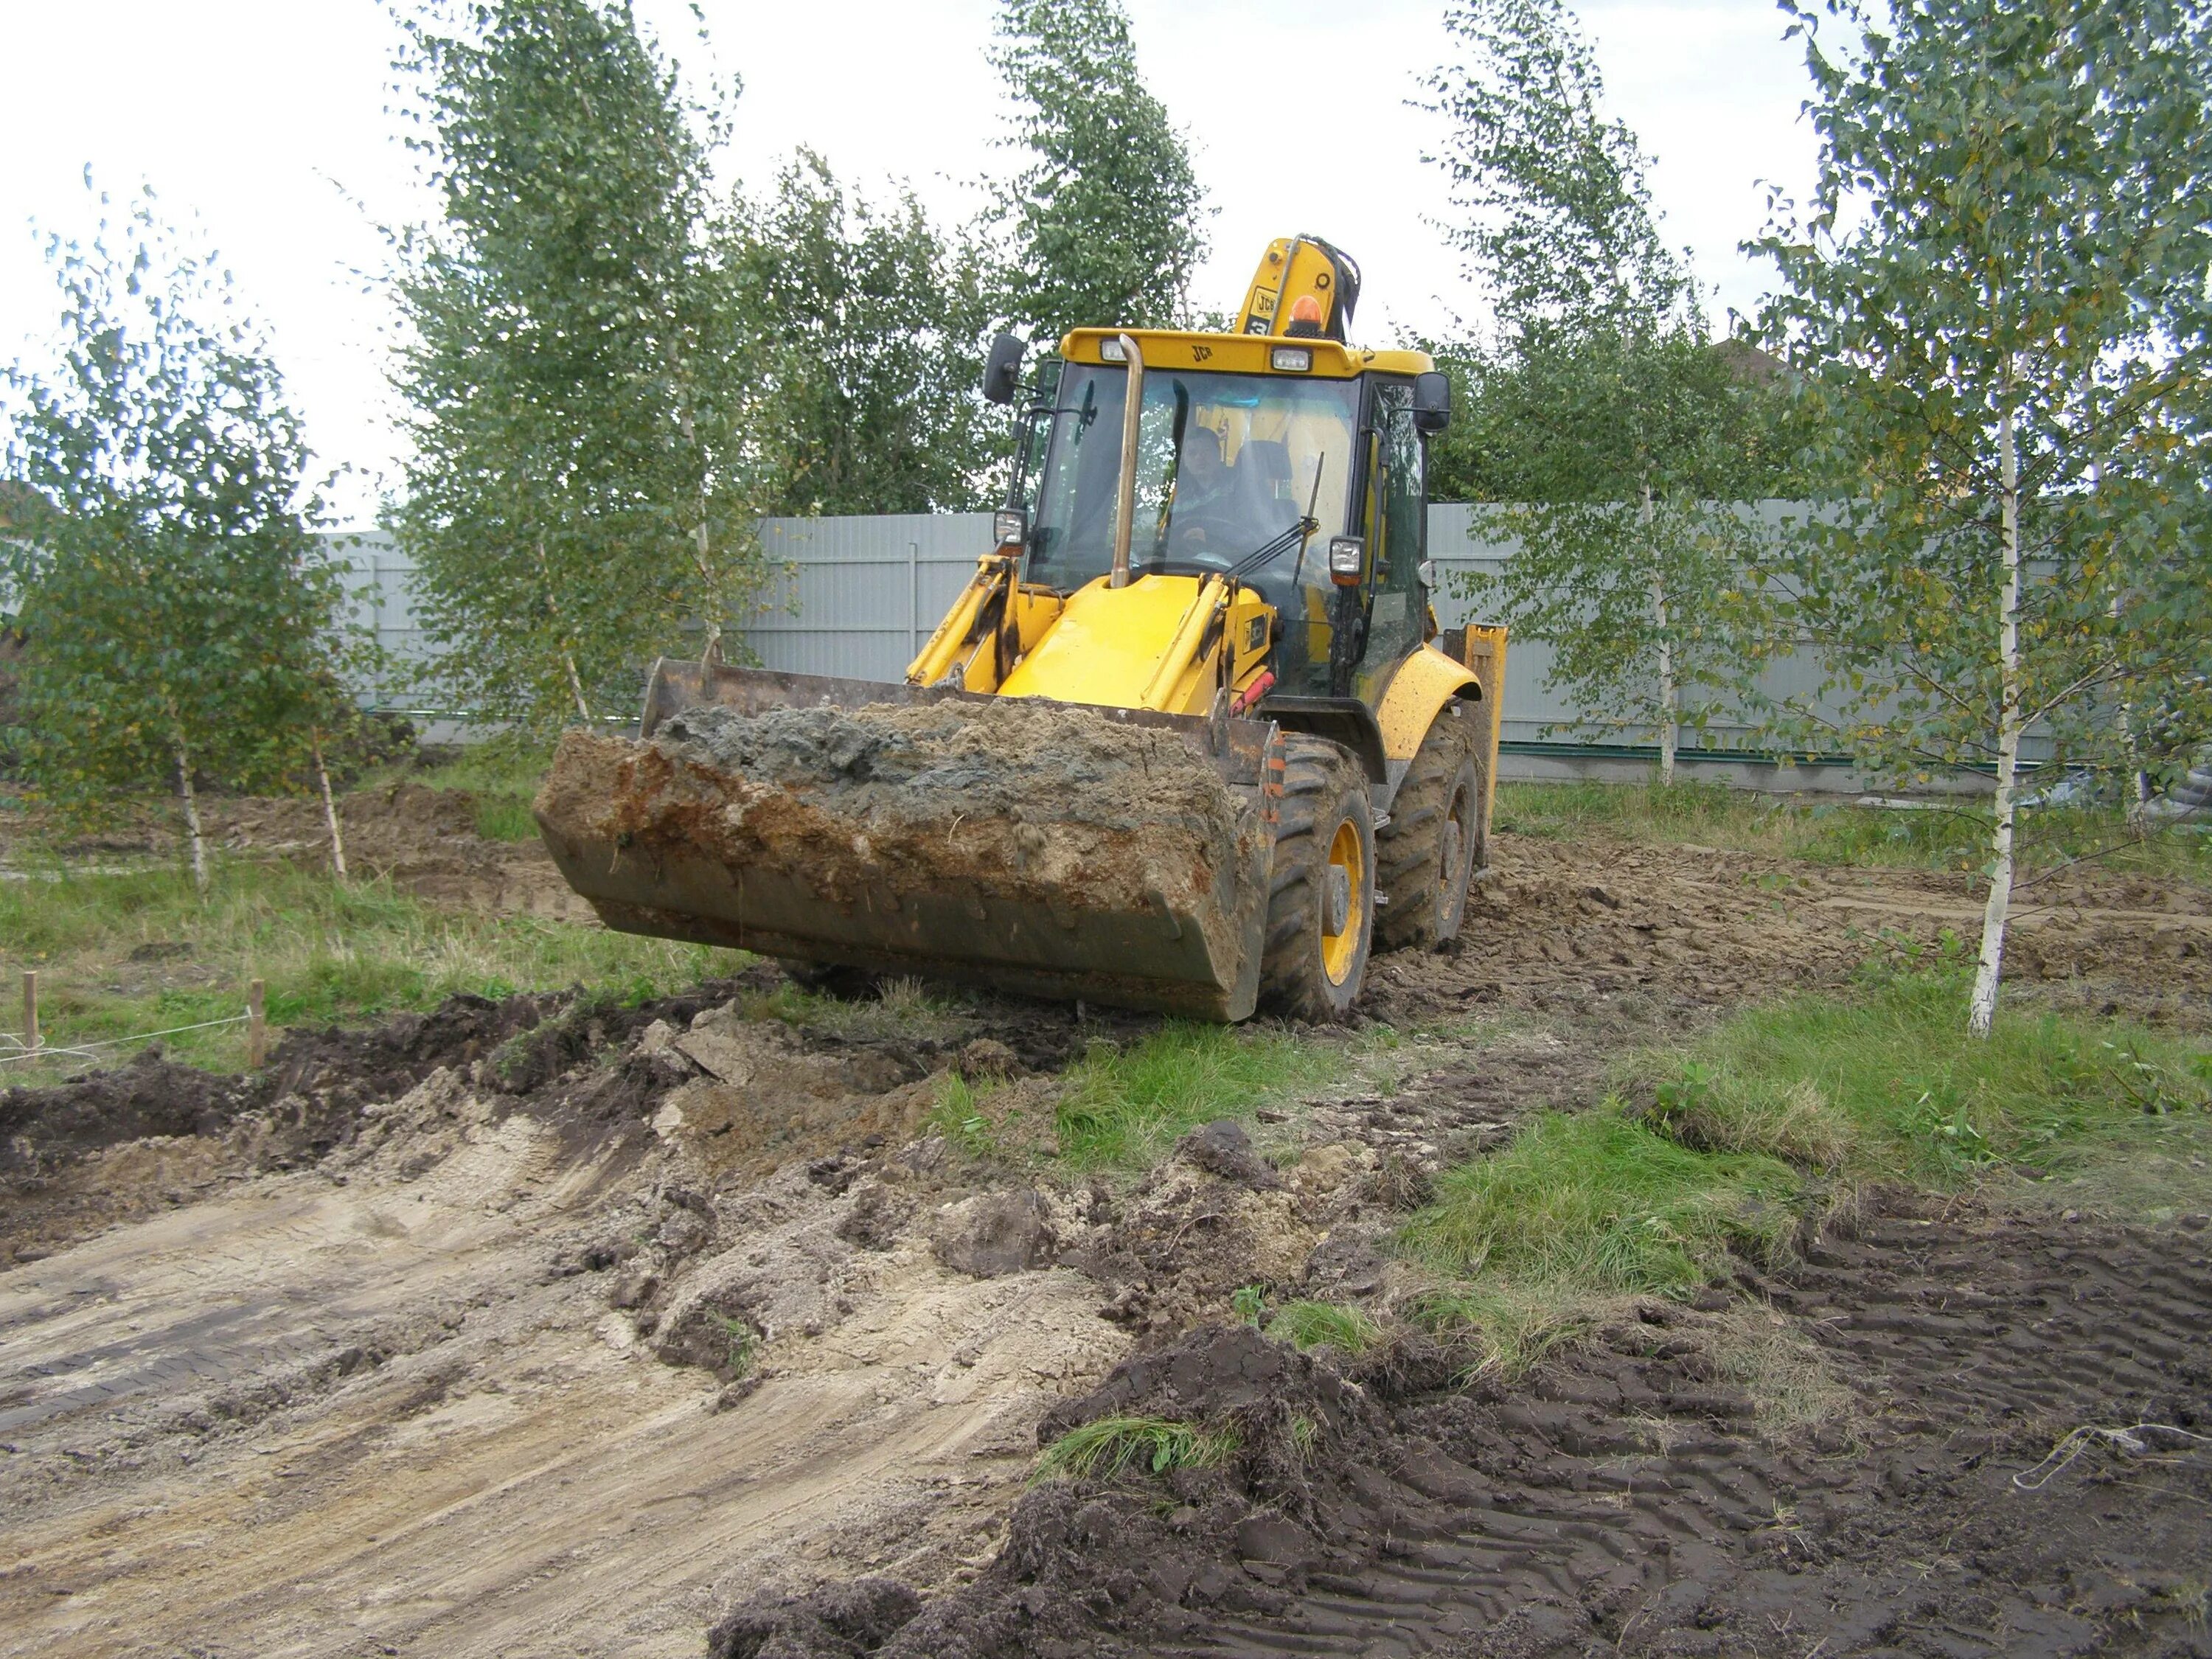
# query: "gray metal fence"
(856, 597)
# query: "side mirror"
(1433, 401)
(1002, 370)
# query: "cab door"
(1397, 533)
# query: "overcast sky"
(266, 120)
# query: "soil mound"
(1043, 805)
(42, 1128)
(928, 762)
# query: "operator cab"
(1296, 468)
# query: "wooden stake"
(30, 1010)
(257, 1026)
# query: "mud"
(1051, 807)
(1564, 928)
(547, 1336)
(555, 1325)
(1624, 1499)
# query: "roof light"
(1291, 360)
(1110, 351)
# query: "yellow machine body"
(1231, 659)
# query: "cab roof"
(1243, 353)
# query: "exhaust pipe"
(1133, 409)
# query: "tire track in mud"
(1626, 1499)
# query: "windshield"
(1226, 464)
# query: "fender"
(1425, 683)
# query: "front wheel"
(1320, 905)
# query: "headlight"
(1346, 554)
(1291, 360)
(1011, 527)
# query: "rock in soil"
(1224, 1149)
(993, 1233)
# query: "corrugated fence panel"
(856, 597)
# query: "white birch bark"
(1981, 1012)
(703, 555)
(1669, 721)
(195, 843)
(329, 812)
(568, 656)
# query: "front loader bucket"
(1115, 855)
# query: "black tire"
(1311, 971)
(1433, 842)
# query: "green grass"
(901, 1007)
(1325, 1325)
(1105, 1448)
(1601, 1199)
(1124, 1108)
(1886, 1085)
(330, 953)
(1778, 1108)
(1838, 833)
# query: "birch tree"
(863, 328)
(578, 481)
(1603, 413)
(1999, 298)
(1105, 216)
(178, 618)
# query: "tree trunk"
(567, 652)
(1670, 699)
(330, 811)
(703, 553)
(195, 843)
(576, 686)
(1982, 1013)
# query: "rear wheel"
(1432, 844)
(1320, 905)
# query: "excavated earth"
(1043, 805)
(555, 1326)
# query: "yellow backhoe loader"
(1210, 573)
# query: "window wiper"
(1300, 531)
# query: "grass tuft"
(1841, 833)
(1601, 1199)
(1782, 1370)
(1887, 1086)
(1104, 1448)
(1326, 1324)
(120, 955)
(1512, 1323)
(1124, 1108)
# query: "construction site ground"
(733, 1320)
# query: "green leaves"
(1104, 220)
(581, 482)
(1618, 431)
(2012, 220)
(864, 328)
(1558, 227)
(177, 615)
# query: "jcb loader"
(1215, 535)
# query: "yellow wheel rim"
(1339, 948)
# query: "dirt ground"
(549, 1326)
